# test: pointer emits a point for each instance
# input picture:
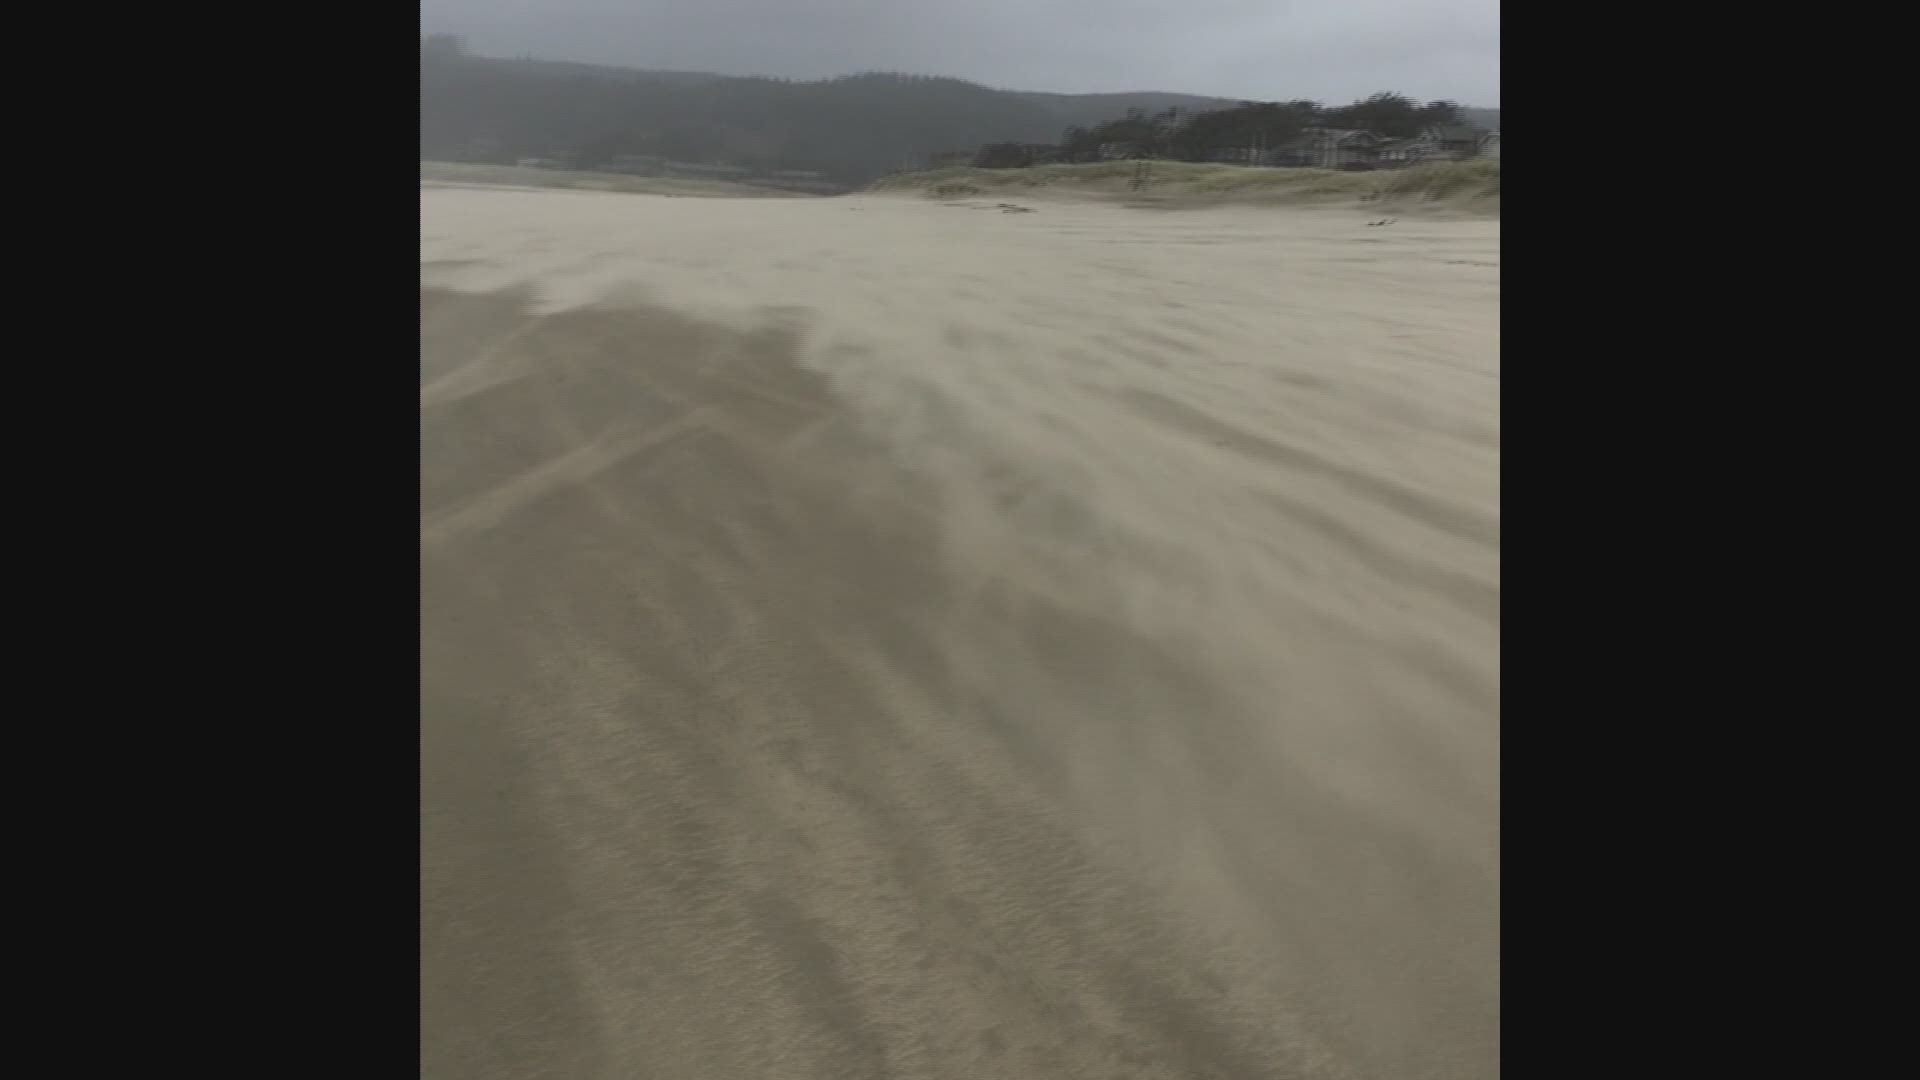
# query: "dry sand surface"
(876, 638)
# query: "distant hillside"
(850, 129)
(569, 68)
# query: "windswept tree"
(1396, 116)
(1435, 113)
(1252, 125)
(1147, 135)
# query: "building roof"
(1342, 136)
(1318, 136)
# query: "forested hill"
(851, 129)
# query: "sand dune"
(874, 638)
(1469, 187)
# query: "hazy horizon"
(1257, 50)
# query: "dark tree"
(1436, 113)
(1255, 125)
(1396, 116)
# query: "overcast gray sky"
(1328, 50)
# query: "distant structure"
(1326, 148)
(1449, 142)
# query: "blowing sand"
(877, 638)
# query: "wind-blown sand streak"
(863, 638)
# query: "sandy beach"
(880, 638)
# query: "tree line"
(1202, 136)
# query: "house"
(1400, 153)
(1457, 141)
(1447, 142)
(1121, 151)
(1326, 148)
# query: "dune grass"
(1472, 186)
